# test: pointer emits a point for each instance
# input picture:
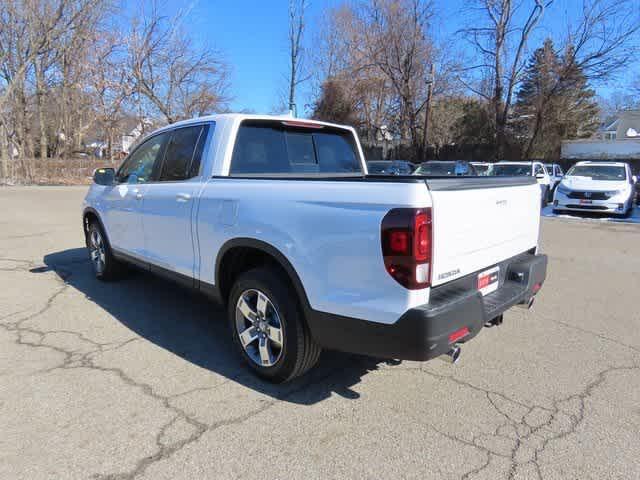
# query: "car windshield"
(482, 169)
(511, 170)
(445, 169)
(598, 172)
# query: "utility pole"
(427, 109)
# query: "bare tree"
(110, 82)
(397, 44)
(297, 9)
(598, 47)
(171, 75)
(380, 52)
(31, 32)
(501, 40)
(606, 37)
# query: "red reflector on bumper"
(458, 334)
(537, 287)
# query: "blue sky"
(252, 35)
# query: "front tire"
(105, 266)
(268, 326)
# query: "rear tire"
(105, 266)
(268, 326)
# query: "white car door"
(168, 204)
(123, 202)
(541, 174)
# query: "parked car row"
(390, 167)
(601, 186)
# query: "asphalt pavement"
(138, 379)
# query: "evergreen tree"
(554, 103)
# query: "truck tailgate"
(477, 222)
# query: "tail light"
(407, 246)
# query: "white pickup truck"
(278, 219)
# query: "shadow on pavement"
(189, 325)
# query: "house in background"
(134, 130)
(128, 133)
(618, 139)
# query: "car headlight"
(564, 190)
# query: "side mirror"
(104, 176)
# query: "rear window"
(270, 147)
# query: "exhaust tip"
(453, 355)
(528, 304)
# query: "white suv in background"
(528, 169)
(606, 187)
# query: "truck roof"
(238, 117)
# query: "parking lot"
(138, 379)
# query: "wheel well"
(238, 260)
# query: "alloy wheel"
(259, 328)
(97, 251)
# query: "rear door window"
(182, 160)
(271, 147)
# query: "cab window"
(182, 158)
(138, 167)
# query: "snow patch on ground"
(593, 217)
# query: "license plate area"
(488, 280)
(585, 202)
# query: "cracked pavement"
(138, 379)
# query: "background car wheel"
(105, 266)
(545, 197)
(268, 326)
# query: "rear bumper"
(423, 332)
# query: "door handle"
(183, 197)
(138, 196)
